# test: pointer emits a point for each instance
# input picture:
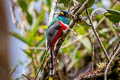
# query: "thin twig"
(26, 77)
(97, 36)
(106, 70)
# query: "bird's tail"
(51, 62)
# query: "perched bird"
(54, 32)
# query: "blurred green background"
(28, 23)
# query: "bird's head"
(63, 13)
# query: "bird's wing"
(50, 25)
(52, 31)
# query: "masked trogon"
(54, 32)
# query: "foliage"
(76, 50)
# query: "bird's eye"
(62, 13)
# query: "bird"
(54, 32)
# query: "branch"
(97, 36)
(106, 70)
(90, 75)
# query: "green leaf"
(29, 18)
(114, 12)
(20, 37)
(113, 15)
